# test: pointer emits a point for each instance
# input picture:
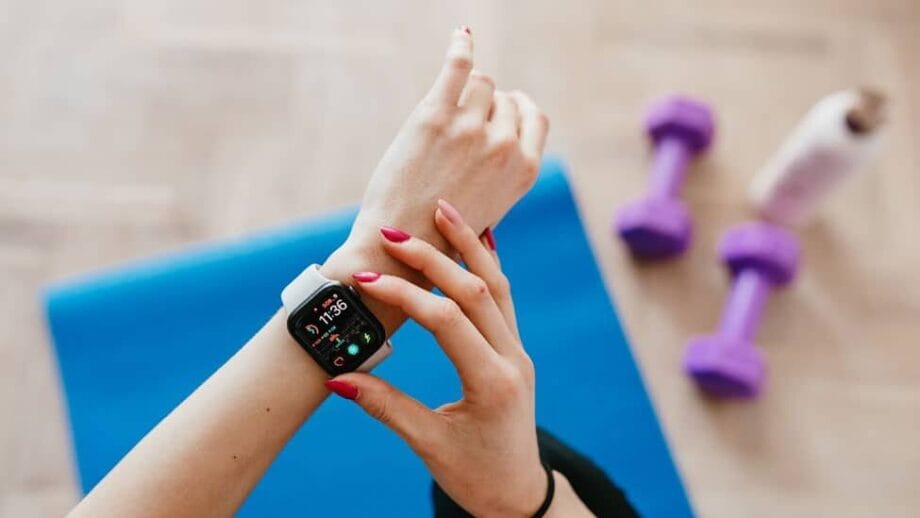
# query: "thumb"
(392, 407)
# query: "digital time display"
(335, 328)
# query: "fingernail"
(450, 212)
(365, 276)
(394, 234)
(342, 389)
(466, 29)
(489, 237)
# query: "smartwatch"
(328, 319)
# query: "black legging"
(590, 483)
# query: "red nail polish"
(489, 237)
(365, 276)
(394, 234)
(342, 389)
(466, 29)
(452, 214)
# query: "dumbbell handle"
(741, 315)
(669, 167)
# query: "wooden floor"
(132, 127)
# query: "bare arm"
(205, 457)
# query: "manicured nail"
(394, 234)
(450, 212)
(466, 29)
(342, 389)
(489, 237)
(365, 276)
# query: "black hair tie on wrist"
(550, 492)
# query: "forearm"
(205, 457)
(363, 253)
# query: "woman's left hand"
(482, 450)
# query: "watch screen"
(336, 329)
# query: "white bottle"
(839, 135)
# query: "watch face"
(336, 328)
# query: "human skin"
(465, 142)
(482, 449)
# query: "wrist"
(351, 258)
(363, 251)
(417, 220)
(537, 496)
(528, 493)
(566, 503)
(367, 255)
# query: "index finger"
(456, 70)
(463, 344)
(478, 258)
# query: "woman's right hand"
(466, 142)
(482, 450)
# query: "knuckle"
(469, 131)
(459, 61)
(422, 259)
(504, 145)
(484, 78)
(447, 313)
(522, 98)
(381, 409)
(476, 289)
(434, 120)
(529, 169)
(527, 369)
(500, 285)
(507, 385)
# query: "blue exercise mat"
(132, 343)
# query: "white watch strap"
(377, 357)
(300, 289)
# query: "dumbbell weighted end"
(658, 225)
(760, 257)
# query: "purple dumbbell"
(760, 257)
(658, 225)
